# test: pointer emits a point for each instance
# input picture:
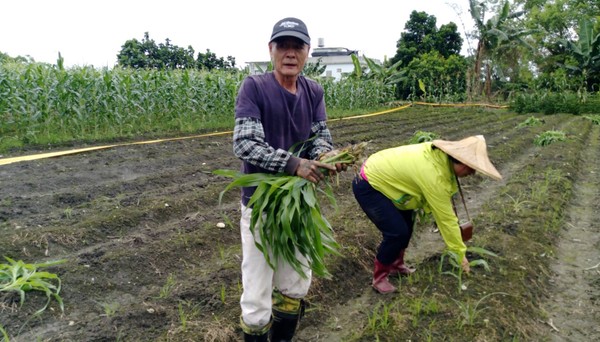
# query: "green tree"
(147, 54)
(558, 21)
(5, 58)
(448, 41)
(499, 38)
(421, 36)
(417, 38)
(210, 61)
(136, 54)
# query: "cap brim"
(303, 37)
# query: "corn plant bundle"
(17, 276)
(288, 216)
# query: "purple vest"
(286, 118)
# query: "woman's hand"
(465, 265)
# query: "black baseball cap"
(290, 27)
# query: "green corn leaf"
(286, 214)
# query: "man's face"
(288, 55)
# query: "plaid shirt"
(249, 144)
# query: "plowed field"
(147, 261)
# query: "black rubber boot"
(256, 338)
(284, 326)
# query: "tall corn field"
(42, 103)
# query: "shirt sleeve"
(322, 142)
(249, 145)
(440, 203)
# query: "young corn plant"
(549, 137)
(168, 287)
(470, 311)
(110, 309)
(457, 270)
(4, 335)
(287, 215)
(530, 122)
(380, 318)
(423, 136)
(223, 294)
(17, 276)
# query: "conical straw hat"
(471, 151)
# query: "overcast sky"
(91, 32)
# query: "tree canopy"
(147, 54)
(421, 36)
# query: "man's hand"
(465, 265)
(309, 170)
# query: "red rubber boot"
(398, 266)
(380, 278)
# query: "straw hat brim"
(471, 151)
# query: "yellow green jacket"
(418, 176)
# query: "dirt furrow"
(574, 306)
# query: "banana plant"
(585, 52)
(389, 75)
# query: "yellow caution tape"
(6, 161)
(80, 150)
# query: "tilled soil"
(147, 260)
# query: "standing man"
(273, 113)
(395, 182)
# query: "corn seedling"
(182, 316)
(167, 288)
(17, 276)
(110, 309)
(549, 137)
(4, 335)
(287, 213)
(68, 213)
(227, 221)
(470, 311)
(457, 270)
(422, 136)
(380, 318)
(429, 331)
(187, 312)
(422, 305)
(223, 294)
(517, 203)
(530, 122)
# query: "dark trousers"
(395, 225)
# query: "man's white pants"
(259, 279)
